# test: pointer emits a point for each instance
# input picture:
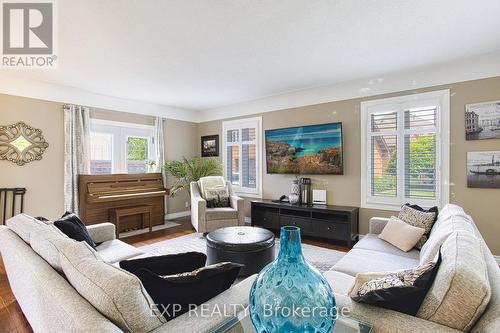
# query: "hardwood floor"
(12, 319)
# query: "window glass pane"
(420, 166)
(384, 166)
(137, 154)
(248, 134)
(233, 166)
(232, 135)
(384, 122)
(249, 165)
(421, 118)
(101, 153)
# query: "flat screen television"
(315, 149)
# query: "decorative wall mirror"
(21, 144)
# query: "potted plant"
(186, 171)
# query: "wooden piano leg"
(150, 223)
(115, 220)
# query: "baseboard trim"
(172, 216)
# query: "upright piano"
(100, 194)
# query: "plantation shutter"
(242, 158)
(402, 154)
(383, 154)
(420, 153)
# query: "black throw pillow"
(430, 210)
(402, 291)
(166, 264)
(71, 225)
(177, 294)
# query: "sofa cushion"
(23, 225)
(441, 232)
(361, 260)
(115, 293)
(221, 213)
(461, 290)
(44, 243)
(340, 282)
(401, 234)
(490, 320)
(115, 251)
(448, 211)
(372, 242)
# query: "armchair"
(206, 219)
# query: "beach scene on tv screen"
(313, 149)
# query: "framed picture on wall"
(483, 169)
(482, 121)
(210, 145)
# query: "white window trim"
(442, 99)
(237, 124)
(121, 131)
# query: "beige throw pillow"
(401, 234)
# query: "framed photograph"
(482, 121)
(483, 169)
(210, 145)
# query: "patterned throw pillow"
(217, 197)
(402, 291)
(420, 219)
(203, 272)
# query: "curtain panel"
(76, 152)
(159, 145)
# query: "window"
(119, 147)
(405, 151)
(242, 144)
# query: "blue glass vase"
(289, 295)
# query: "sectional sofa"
(29, 250)
(464, 296)
(465, 293)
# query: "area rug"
(321, 258)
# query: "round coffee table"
(250, 246)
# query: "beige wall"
(180, 141)
(44, 179)
(345, 189)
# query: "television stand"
(325, 221)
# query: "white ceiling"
(206, 54)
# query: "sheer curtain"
(76, 152)
(159, 145)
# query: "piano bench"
(146, 211)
